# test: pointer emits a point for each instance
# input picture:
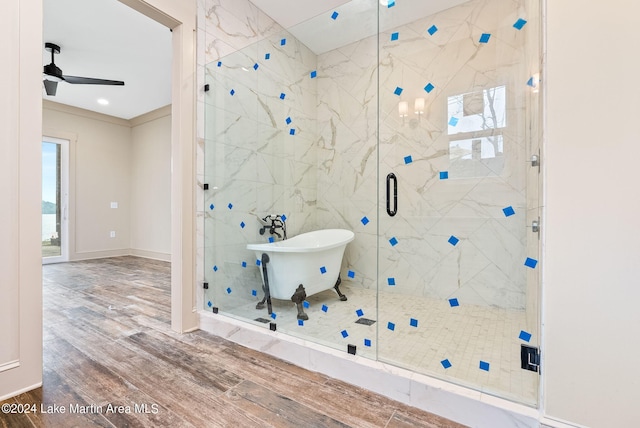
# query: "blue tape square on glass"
(367, 342)
(393, 241)
(323, 270)
(242, 224)
(508, 211)
(532, 263)
(453, 240)
(454, 302)
(254, 292)
(283, 42)
(232, 92)
(334, 15)
(344, 333)
(364, 220)
(313, 74)
(283, 217)
(484, 366)
(288, 120)
(273, 315)
(444, 175)
(255, 66)
(519, 24)
(484, 38)
(244, 264)
(282, 95)
(398, 90)
(391, 281)
(219, 63)
(351, 274)
(391, 3)
(394, 36)
(408, 160)
(531, 82)
(325, 308)
(524, 336)
(230, 206)
(445, 363)
(391, 326)
(271, 240)
(267, 56)
(292, 131)
(301, 323)
(432, 30)
(209, 304)
(413, 322)
(453, 121)
(429, 87)
(215, 268)
(306, 304)
(211, 206)
(228, 290)
(359, 312)
(258, 262)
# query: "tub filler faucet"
(272, 223)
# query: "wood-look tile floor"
(111, 360)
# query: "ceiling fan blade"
(90, 81)
(50, 87)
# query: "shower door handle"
(392, 177)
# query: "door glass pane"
(51, 200)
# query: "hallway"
(110, 359)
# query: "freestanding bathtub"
(302, 266)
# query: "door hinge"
(530, 358)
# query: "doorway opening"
(55, 200)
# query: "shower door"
(458, 217)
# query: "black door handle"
(392, 177)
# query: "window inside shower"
(308, 122)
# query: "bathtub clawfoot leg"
(337, 288)
(260, 304)
(297, 298)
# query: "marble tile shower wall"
(326, 174)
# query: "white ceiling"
(107, 40)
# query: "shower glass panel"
(306, 124)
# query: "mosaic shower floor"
(424, 335)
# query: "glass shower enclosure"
(415, 125)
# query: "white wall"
(591, 250)
(20, 166)
(151, 184)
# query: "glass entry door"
(55, 195)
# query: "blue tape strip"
(209, 304)
(301, 323)
(391, 3)
(232, 92)
(454, 302)
(228, 290)
(453, 240)
(230, 206)
(306, 304)
(292, 131)
(271, 240)
(283, 217)
(288, 120)
(367, 342)
(408, 160)
(391, 281)
(508, 211)
(255, 66)
(364, 220)
(334, 15)
(211, 207)
(267, 56)
(282, 95)
(325, 308)
(445, 363)
(351, 274)
(532, 263)
(531, 82)
(242, 224)
(254, 293)
(283, 42)
(484, 366)
(323, 270)
(219, 63)
(484, 38)
(524, 336)
(313, 74)
(393, 241)
(344, 333)
(215, 268)
(429, 87)
(453, 121)
(244, 264)
(359, 312)
(413, 322)
(394, 36)
(258, 262)
(398, 90)
(444, 175)
(432, 30)
(391, 326)
(519, 24)
(273, 315)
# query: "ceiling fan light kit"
(53, 74)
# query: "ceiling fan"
(53, 75)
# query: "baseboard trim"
(20, 391)
(150, 255)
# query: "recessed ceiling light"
(103, 101)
